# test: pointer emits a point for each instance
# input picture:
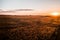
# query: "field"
(29, 27)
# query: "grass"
(28, 28)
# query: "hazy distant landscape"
(29, 27)
(29, 19)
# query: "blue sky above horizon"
(30, 4)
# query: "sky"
(40, 5)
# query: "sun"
(54, 13)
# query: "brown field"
(29, 28)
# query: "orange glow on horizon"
(55, 13)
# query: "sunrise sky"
(33, 4)
(38, 5)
